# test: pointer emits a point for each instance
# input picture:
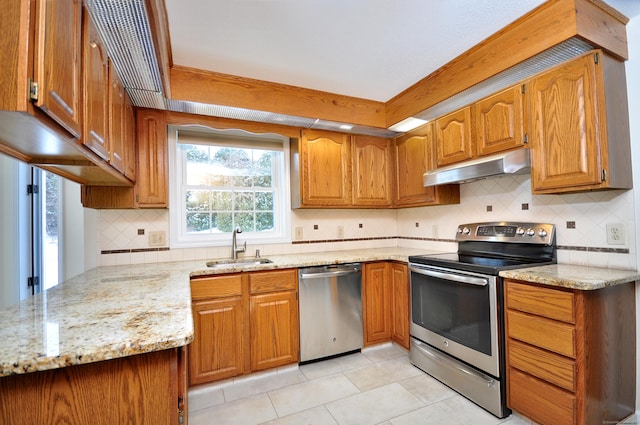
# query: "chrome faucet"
(234, 245)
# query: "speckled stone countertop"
(111, 312)
(571, 276)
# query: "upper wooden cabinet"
(56, 88)
(152, 183)
(413, 156)
(130, 145)
(96, 90)
(372, 177)
(580, 127)
(500, 121)
(323, 172)
(453, 137)
(117, 125)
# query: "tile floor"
(377, 386)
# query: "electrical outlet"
(157, 238)
(340, 232)
(298, 233)
(615, 234)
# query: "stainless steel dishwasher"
(330, 310)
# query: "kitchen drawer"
(539, 401)
(216, 286)
(547, 302)
(542, 364)
(544, 333)
(272, 281)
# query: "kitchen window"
(228, 179)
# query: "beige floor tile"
(456, 410)
(316, 416)
(383, 373)
(205, 396)
(262, 384)
(375, 406)
(299, 397)
(427, 388)
(247, 411)
(335, 365)
(384, 352)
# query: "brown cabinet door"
(453, 137)
(274, 325)
(499, 121)
(400, 311)
(217, 349)
(325, 159)
(376, 303)
(96, 90)
(152, 178)
(567, 126)
(130, 159)
(117, 125)
(413, 154)
(371, 171)
(57, 61)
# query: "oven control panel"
(507, 231)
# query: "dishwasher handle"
(329, 271)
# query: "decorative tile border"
(559, 247)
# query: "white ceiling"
(372, 49)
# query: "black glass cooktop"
(478, 264)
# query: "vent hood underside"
(512, 162)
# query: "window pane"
(221, 200)
(244, 201)
(223, 222)
(244, 221)
(264, 201)
(263, 170)
(197, 200)
(198, 222)
(264, 221)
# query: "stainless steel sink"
(240, 262)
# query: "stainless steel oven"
(457, 323)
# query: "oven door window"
(457, 311)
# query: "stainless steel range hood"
(512, 162)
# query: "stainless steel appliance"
(330, 310)
(457, 322)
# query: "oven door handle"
(450, 276)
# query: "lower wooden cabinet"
(243, 322)
(385, 303)
(146, 389)
(570, 353)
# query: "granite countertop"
(118, 311)
(573, 276)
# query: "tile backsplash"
(493, 199)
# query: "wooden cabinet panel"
(275, 337)
(141, 389)
(117, 126)
(376, 303)
(152, 176)
(453, 137)
(400, 303)
(57, 64)
(371, 171)
(580, 128)
(226, 285)
(548, 334)
(96, 90)
(217, 351)
(272, 281)
(540, 401)
(550, 367)
(325, 162)
(130, 151)
(499, 121)
(546, 302)
(413, 155)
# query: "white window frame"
(178, 236)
